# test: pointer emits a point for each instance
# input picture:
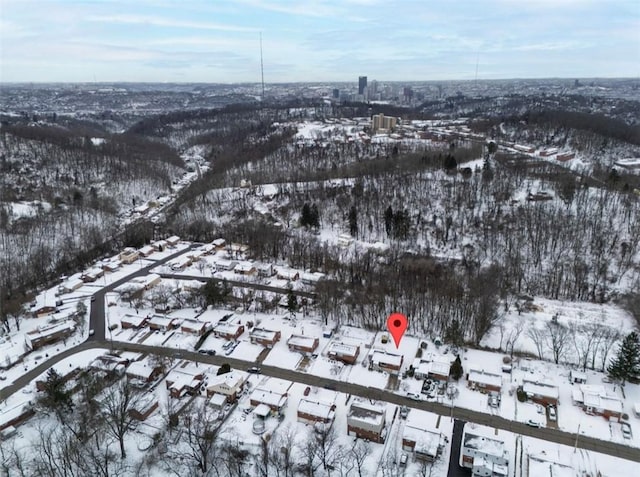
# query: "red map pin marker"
(397, 324)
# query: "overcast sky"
(321, 40)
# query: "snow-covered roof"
(51, 330)
(133, 320)
(484, 444)
(219, 242)
(161, 321)
(597, 397)
(263, 334)
(417, 429)
(302, 341)
(262, 410)
(541, 389)
(364, 411)
(388, 359)
(541, 466)
(275, 385)
(244, 267)
(268, 397)
(227, 328)
(230, 380)
(218, 400)
(140, 369)
(316, 408)
(482, 377)
(342, 349)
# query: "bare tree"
(558, 336)
(360, 452)
(512, 337)
(329, 449)
(584, 337)
(199, 438)
(539, 338)
(116, 406)
(309, 453)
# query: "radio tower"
(261, 67)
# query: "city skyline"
(330, 40)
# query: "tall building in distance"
(362, 84)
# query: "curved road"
(552, 435)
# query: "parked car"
(403, 459)
(552, 414)
(91, 332)
(227, 345)
(414, 396)
(253, 370)
(626, 430)
(211, 352)
(494, 401)
(533, 423)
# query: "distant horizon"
(199, 41)
(320, 82)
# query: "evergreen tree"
(306, 216)
(315, 216)
(56, 397)
(292, 302)
(353, 221)
(388, 220)
(450, 163)
(456, 370)
(626, 364)
(224, 369)
(213, 292)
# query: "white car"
(92, 332)
(552, 414)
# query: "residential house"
(162, 323)
(264, 337)
(311, 278)
(345, 240)
(160, 245)
(346, 353)
(272, 392)
(229, 385)
(173, 241)
(420, 437)
(303, 344)
(432, 367)
(543, 465)
(224, 265)
(71, 285)
(245, 268)
(577, 377)
(41, 383)
(219, 243)
(217, 401)
(485, 455)
(49, 334)
(194, 326)
(367, 421)
(266, 270)
(384, 361)
(144, 408)
(596, 399)
(311, 412)
(564, 157)
(147, 250)
(143, 371)
(91, 275)
(541, 392)
(287, 274)
(133, 322)
(110, 265)
(228, 331)
(15, 416)
(483, 381)
(181, 381)
(180, 264)
(128, 255)
(44, 311)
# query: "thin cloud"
(168, 23)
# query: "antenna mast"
(261, 67)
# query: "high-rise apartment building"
(362, 84)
